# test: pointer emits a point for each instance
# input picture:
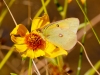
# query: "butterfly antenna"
(88, 58)
(10, 13)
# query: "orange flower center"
(34, 41)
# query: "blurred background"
(21, 9)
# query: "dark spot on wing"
(61, 35)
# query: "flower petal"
(19, 30)
(24, 55)
(21, 48)
(40, 22)
(57, 52)
(49, 48)
(30, 53)
(39, 53)
(17, 40)
(52, 51)
(33, 54)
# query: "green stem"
(88, 58)
(41, 9)
(83, 40)
(4, 12)
(92, 71)
(65, 9)
(10, 13)
(59, 7)
(6, 57)
(82, 25)
(30, 67)
(60, 63)
(44, 6)
(80, 57)
(88, 21)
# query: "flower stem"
(6, 57)
(4, 12)
(10, 13)
(60, 63)
(46, 67)
(88, 58)
(65, 9)
(80, 57)
(30, 67)
(41, 9)
(88, 21)
(83, 40)
(44, 6)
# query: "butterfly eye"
(56, 46)
(39, 30)
(57, 25)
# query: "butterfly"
(62, 33)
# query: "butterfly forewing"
(62, 33)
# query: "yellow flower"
(83, 1)
(33, 44)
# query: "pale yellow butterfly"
(62, 33)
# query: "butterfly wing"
(73, 24)
(62, 33)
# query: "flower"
(33, 44)
(83, 1)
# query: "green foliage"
(13, 74)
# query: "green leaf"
(13, 73)
(24, 58)
(52, 60)
(92, 71)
